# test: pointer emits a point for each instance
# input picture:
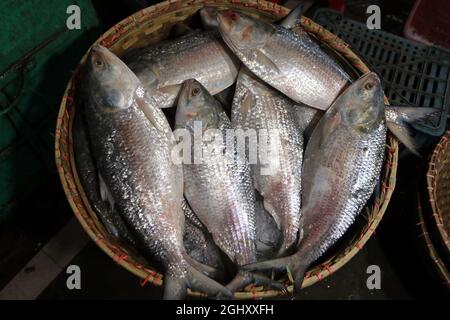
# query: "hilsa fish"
(131, 142)
(341, 168)
(288, 61)
(199, 55)
(219, 188)
(285, 57)
(261, 109)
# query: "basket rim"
(433, 254)
(83, 211)
(444, 143)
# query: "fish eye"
(195, 91)
(98, 63)
(369, 85)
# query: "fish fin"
(404, 134)
(291, 264)
(293, 18)
(205, 269)
(244, 278)
(263, 59)
(409, 114)
(151, 113)
(171, 90)
(276, 264)
(399, 119)
(299, 275)
(198, 281)
(105, 194)
(174, 288)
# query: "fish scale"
(342, 164)
(198, 55)
(289, 61)
(226, 210)
(150, 160)
(258, 107)
(132, 143)
(347, 194)
(218, 189)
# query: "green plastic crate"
(37, 57)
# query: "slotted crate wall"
(411, 73)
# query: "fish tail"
(276, 264)
(399, 121)
(298, 274)
(244, 278)
(295, 270)
(205, 269)
(198, 278)
(174, 288)
(198, 281)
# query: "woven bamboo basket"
(149, 26)
(439, 267)
(438, 185)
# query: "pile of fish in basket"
(272, 151)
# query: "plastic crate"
(411, 74)
(36, 60)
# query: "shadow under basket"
(149, 26)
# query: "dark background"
(397, 246)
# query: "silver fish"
(90, 180)
(288, 61)
(264, 110)
(291, 62)
(219, 188)
(307, 119)
(342, 165)
(198, 55)
(132, 142)
(199, 245)
(202, 248)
